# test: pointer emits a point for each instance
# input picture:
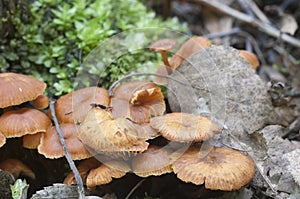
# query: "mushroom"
(138, 101)
(250, 58)
(41, 102)
(72, 107)
(16, 168)
(105, 172)
(19, 122)
(222, 169)
(184, 127)
(162, 46)
(190, 47)
(162, 70)
(108, 134)
(32, 141)
(51, 147)
(154, 161)
(83, 168)
(18, 88)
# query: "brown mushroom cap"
(18, 88)
(83, 168)
(162, 70)
(17, 123)
(2, 139)
(138, 100)
(190, 47)
(184, 127)
(73, 107)
(16, 168)
(104, 173)
(109, 135)
(154, 161)
(250, 57)
(163, 45)
(222, 169)
(41, 102)
(51, 147)
(32, 141)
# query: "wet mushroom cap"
(222, 169)
(154, 161)
(17, 123)
(184, 127)
(18, 88)
(105, 173)
(51, 147)
(73, 107)
(138, 101)
(16, 168)
(2, 139)
(250, 57)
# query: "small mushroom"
(83, 168)
(16, 89)
(41, 102)
(17, 123)
(32, 141)
(184, 127)
(190, 47)
(72, 107)
(154, 161)
(105, 173)
(249, 57)
(222, 169)
(138, 101)
(162, 46)
(51, 147)
(16, 168)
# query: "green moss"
(53, 40)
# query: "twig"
(258, 12)
(66, 151)
(134, 188)
(268, 29)
(110, 90)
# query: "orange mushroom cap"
(16, 168)
(32, 141)
(184, 127)
(17, 123)
(163, 45)
(18, 88)
(138, 100)
(154, 161)
(222, 169)
(73, 107)
(83, 168)
(109, 135)
(41, 102)
(104, 173)
(51, 147)
(190, 47)
(250, 57)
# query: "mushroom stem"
(67, 154)
(110, 90)
(164, 55)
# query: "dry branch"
(266, 28)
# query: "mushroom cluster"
(17, 120)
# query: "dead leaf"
(288, 24)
